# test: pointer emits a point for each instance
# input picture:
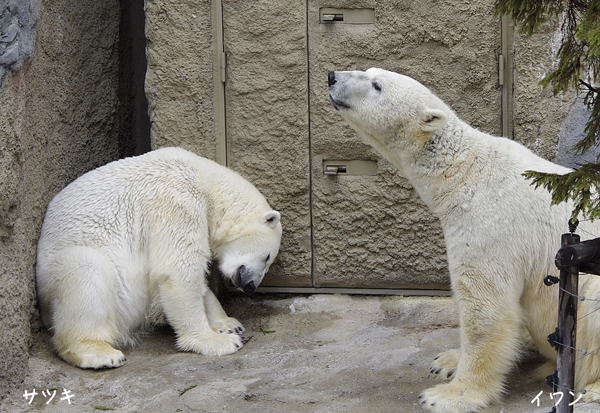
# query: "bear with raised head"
(129, 244)
(501, 234)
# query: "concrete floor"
(318, 353)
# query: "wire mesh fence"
(573, 257)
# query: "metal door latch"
(332, 17)
(349, 167)
(335, 169)
(328, 15)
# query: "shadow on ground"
(318, 353)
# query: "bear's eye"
(377, 86)
(267, 259)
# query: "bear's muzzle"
(243, 280)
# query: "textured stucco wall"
(361, 231)
(179, 76)
(267, 106)
(267, 119)
(539, 116)
(58, 119)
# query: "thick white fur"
(129, 244)
(501, 234)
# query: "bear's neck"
(226, 208)
(439, 167)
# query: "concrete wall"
(59, 117)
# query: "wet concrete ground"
(317, 353)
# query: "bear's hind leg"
(89, 354)
(592, 393)
(81, 298)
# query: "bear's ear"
(271, 218)
(433, 119)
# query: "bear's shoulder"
(524, 158)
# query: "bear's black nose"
(331, 78)
(249, 288)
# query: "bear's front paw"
(445, 363)
(454, 398)
(227, 325)
(210, 343)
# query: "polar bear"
(128, 244)
(501, 234)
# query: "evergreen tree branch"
(578, 67)
(581, 186)
(592, 128)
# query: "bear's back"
(116, 197)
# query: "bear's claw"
(454, 397)
(210, 343)
(227, 325)
(445, 363)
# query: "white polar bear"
(129, 244)
(501, 234)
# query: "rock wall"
(59, 118)
(548, 125)
(18, 24)
(539, 116)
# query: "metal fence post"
(567, 328)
